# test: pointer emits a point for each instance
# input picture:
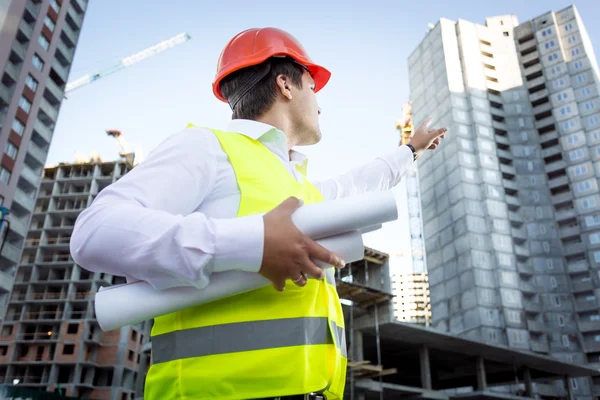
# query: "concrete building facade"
(412, 300)
(510, 200)
(37, 44)
(50, 337)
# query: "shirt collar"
(258, 130)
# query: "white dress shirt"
(171, 221)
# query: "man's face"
(306, 112)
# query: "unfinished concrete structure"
(50, 336)
(411, 298)
(388, 359)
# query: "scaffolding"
(363, 286)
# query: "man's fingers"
(425, 124)
(290, 205)
(300, 281)
(322, 254)
(313, 269)
(279, 285)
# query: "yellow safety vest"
(261, 343)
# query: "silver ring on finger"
(299, 278)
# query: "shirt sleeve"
(144, 226)
(381, 174)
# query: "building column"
(425, 368)
(481, 381)
(568, 388)
(528, 383)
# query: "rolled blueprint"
(128, 304)
(347, 214)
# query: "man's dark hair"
(261, 97)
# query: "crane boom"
(128, 61)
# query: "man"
(195, 207)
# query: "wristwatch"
(412, 148)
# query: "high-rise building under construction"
(50, 339)
(37, 44)
(511, 203)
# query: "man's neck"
(281, 122)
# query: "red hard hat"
(253, 46)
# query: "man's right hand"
(287, 251)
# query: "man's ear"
(284, 86)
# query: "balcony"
(589, 326)
(582, 286)
(562, 198)
(70, 34)
(514, 202)
(49, 109)
(524, 268)
(532, 307)
(535, 326)
(508, 169)
(584, 305)
(66, 52)
(527, 287)
(542, 108)
(26, 201)
(31, 176)
(521, 251)
(6, 282)
(544, 122)
(529, 57)
(36, 152)
(11, 252)
(26, 29)
(576, 267)
(555, 166)
(508, 184)
(546, 137)
(54, 90)
(515, 217)
(532, 69)
(60, 70)
(540, 94)
(502, 140)
(33, 8)
(556, 182)
(12, 70)
(574, 248)
(540, 347)
(550, 151)
(43, 131)
(495, 98)
(569, 231)
(590, 346)
(535, 82)
(18, 225)
(499, 125)
(78, 19)
(519, 233)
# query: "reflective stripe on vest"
(261, 343)
(255, 335)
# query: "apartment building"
(411, 302)
(49, 337)
(37, 43)
(510, 200)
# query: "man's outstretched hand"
(425, 138)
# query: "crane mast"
(128, 61)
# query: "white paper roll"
(347, 214)
(121, 305)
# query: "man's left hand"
(425, 138)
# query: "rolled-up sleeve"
(145, 227)
(383, 173)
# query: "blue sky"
(365, 46)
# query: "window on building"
(4, 175)
(72, 329)
(524, 136)
(37, 62)
(547, 32)
(586, 91)
(578, 64)
(593, 120)
(568, 26)
(581, 170)
(550, 44)
(589, 105)
(597, 256)
(561, 320)
(575, 52)
(562, 96)
(552, 57)
(589, 203)
(521, 122)
(31, 82)
(553, 282)
(49, 23)
(10, 150)
(55, 6)
(595, 317)
(542, 229)
(549, 264)
(573, 139)
(592, 220)
(492, 336)
(560, 82)
(581, 78)
(565, 110)
(584, 186)
(519, 108)
(567, 125)
(565, 341)
(572, 39)
(532, 180)
(557, 301)
(539, 212)
(25, 104)
(576, 154)
(43, 42)
(536, 196)
(515, 96)
(546, 247)
(17, 127)
(595, 238)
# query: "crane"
(128, 61)
(126, 151)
